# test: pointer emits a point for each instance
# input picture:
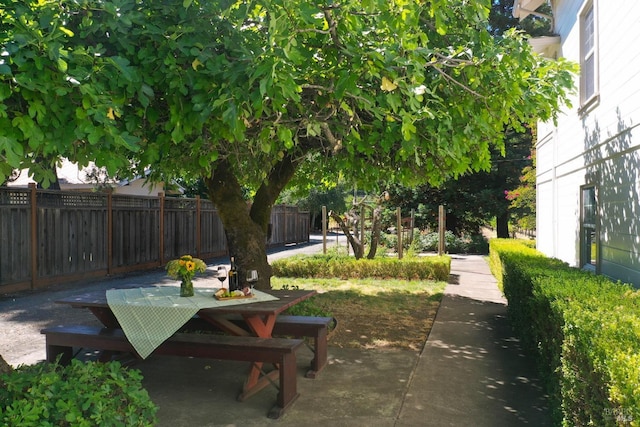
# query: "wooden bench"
(313, 327)
(60, 341)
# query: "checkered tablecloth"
(148, 316)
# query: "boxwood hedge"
(344, 267)
(584, 330)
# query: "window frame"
(589, 229)
(589, 53)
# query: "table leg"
(225, 324)
(106, 317)
(261, 326)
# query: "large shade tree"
(245, 93)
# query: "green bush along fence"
(584, 330)
(50, 237)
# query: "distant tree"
(476, 198)
(523, 197)
(501, 19)
(334, 199)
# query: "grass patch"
(372, 313)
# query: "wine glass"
(252, 277)
(222, 275)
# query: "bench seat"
(60, 341)
(314, 327)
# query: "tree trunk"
(502, 226)
(245, 226)
(5, 368)
(375, 233)
(356, 244)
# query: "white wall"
(601, 146)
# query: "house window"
(588, 55)
(588, 234)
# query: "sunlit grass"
(372, 312)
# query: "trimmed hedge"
(343, 267)
(584, 330)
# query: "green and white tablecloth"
(149, 316)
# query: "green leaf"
(67, 31)
(122, 64)
(286, 136)
(265, 146)
(62, 65)
(13, 152)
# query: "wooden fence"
(51, 237)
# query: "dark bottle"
(233, 276)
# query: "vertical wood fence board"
(72, 240)
(15, 230)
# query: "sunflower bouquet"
(184, 268)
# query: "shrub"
(428, 242)
(584, 330)
(344, 267)
(80, 394)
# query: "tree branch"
(268, 192)
(454, 81)
(333, 25)
(326, 130)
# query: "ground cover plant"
(80, 394)
(372, 312)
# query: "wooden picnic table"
(260, 318)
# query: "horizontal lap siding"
(599, 146)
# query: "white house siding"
(601, 146)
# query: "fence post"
(34, 234)
(198, 228)
(161, 222)
(363, 212)
(412, 225)
(441, 230)
(324, 229)
(109, 232)
(399, 232)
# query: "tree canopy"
(249, 92)
(419, 89)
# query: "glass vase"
(186, 287)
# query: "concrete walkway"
(471, 371)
